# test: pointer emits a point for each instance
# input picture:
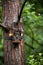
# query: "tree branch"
(19, 16)
(36, 41)
(30, 46)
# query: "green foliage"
(36, 59)
(33, 27)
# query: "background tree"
(13, 32)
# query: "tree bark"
(13, 53)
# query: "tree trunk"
(13, 51)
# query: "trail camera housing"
(16, 34)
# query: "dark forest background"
(33, 32)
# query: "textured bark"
(13, 53)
